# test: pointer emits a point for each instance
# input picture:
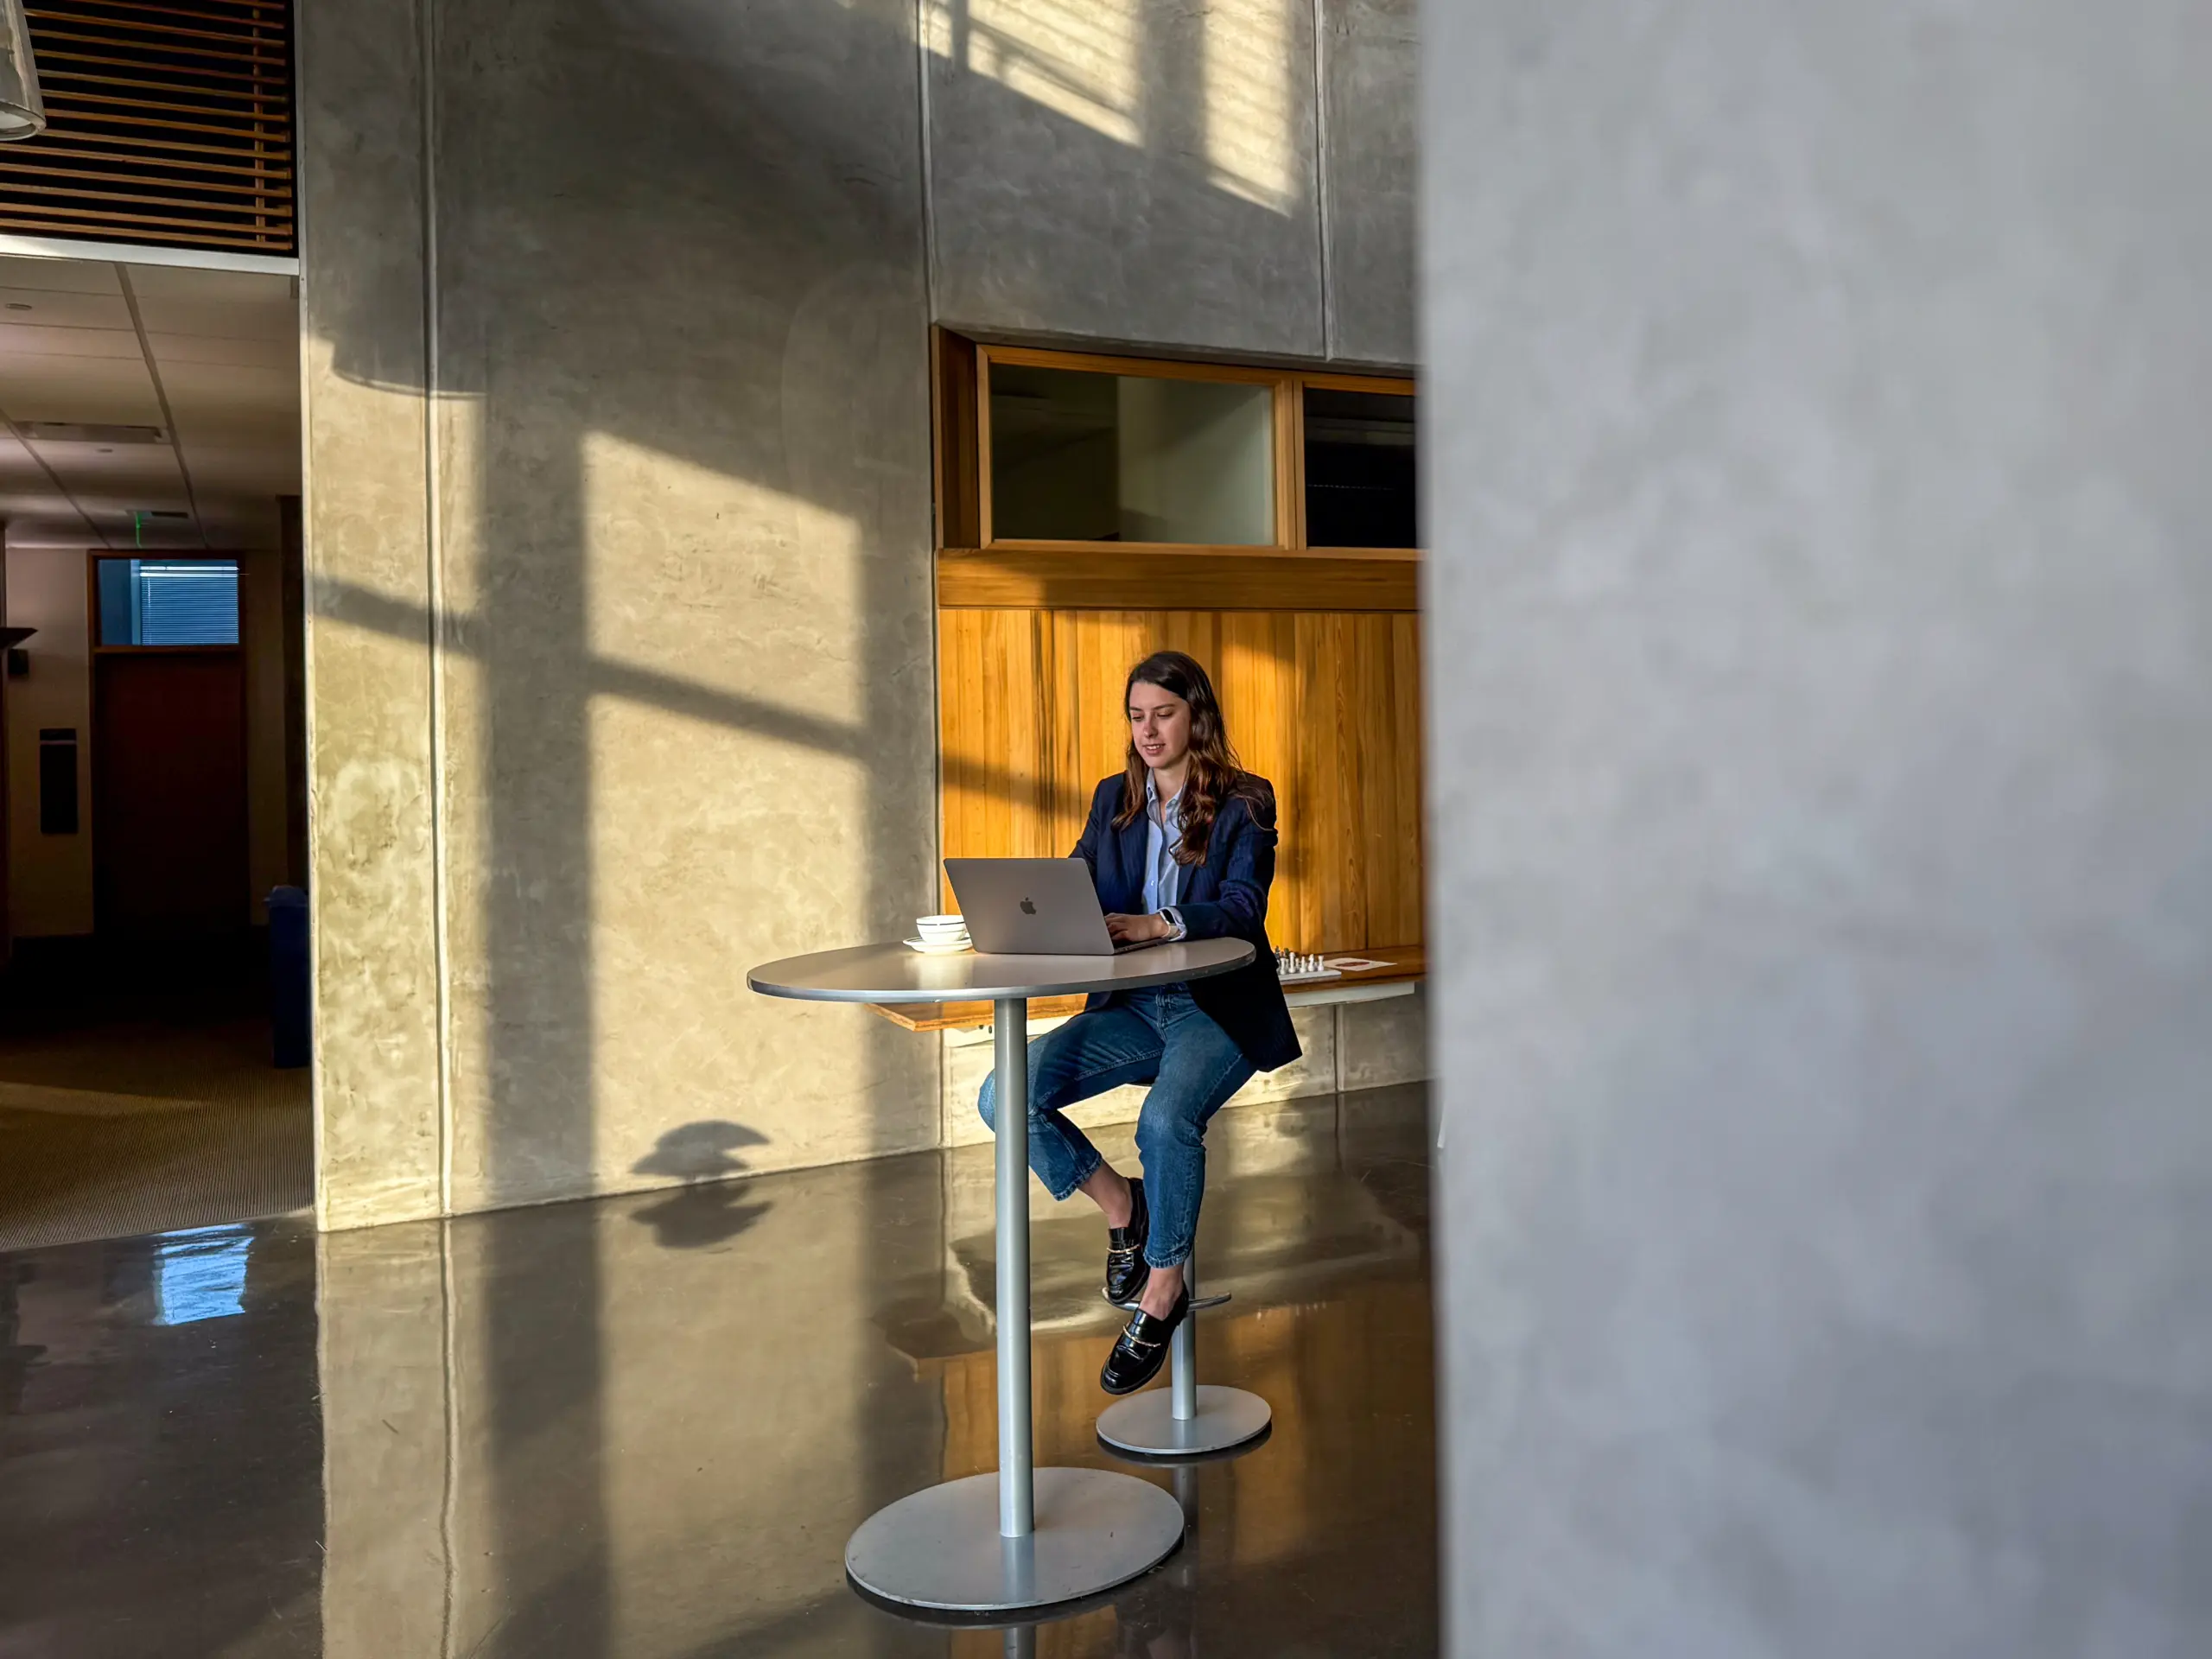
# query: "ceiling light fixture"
(23, 112)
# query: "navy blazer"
(1224, 896)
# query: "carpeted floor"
(126, 1109)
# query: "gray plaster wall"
(1821, 708)
(1229, 177)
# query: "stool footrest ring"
(1202, 1302)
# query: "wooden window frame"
(961, 412)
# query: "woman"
(1181, 845)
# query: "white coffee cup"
(935, 928)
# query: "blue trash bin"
(288, 974)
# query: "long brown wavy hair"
(1215, 776)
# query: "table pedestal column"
(1023, 1537)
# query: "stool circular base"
(1146, 1425)
(940, 1547)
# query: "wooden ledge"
(1407, 961)
(1111, 577)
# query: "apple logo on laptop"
(1028, 907)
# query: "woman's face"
(1159, 725)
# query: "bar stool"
(1186, 1419)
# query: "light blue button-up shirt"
(1163, 876)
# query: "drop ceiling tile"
(60, 275)
(282, 352)
(63, 310)
(230, 403)
(27, 339)
(17, 465)
(182, 282)
(108, 391)
(19, 505)
(207, 319)
(239, 470)
(127, 469)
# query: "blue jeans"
(1158, 1036)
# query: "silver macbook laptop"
(1032, 907)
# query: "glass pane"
(1359, 469)
(169, 601)
(1083, 457)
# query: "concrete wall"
(1822, 706)
(634, 403)
(1219, 178)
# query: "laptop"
(1032, 907)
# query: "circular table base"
(940, 1547)
(1145, 1424)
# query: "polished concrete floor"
(645, 1426)
(137, 1093)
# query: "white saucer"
(954, 949)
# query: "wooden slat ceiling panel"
(165, 123)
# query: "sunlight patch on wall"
(1251, 150)
(728, 667)
(717, 593)
(1079, 60)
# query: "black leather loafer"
(1142, 1349)
(1126, 1271)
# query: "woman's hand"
(1137, 930)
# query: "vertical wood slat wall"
(1326, 704)
(166, 124)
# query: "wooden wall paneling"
(1388, 826)
(1407, 923)
(1071, 800)
(1334, 908)
(1107, 644)
(1253, 675)
(1326, 705)
(993, 731)
(959, 650)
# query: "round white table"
(1061, 1534)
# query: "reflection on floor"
(644, 1427)
(141, 1098)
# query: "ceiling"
(209, 359)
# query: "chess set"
(1296, 967)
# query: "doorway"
(169, 809)
(153, 709)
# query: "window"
(168, 601)
(1081, 456)
(1359, 468)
